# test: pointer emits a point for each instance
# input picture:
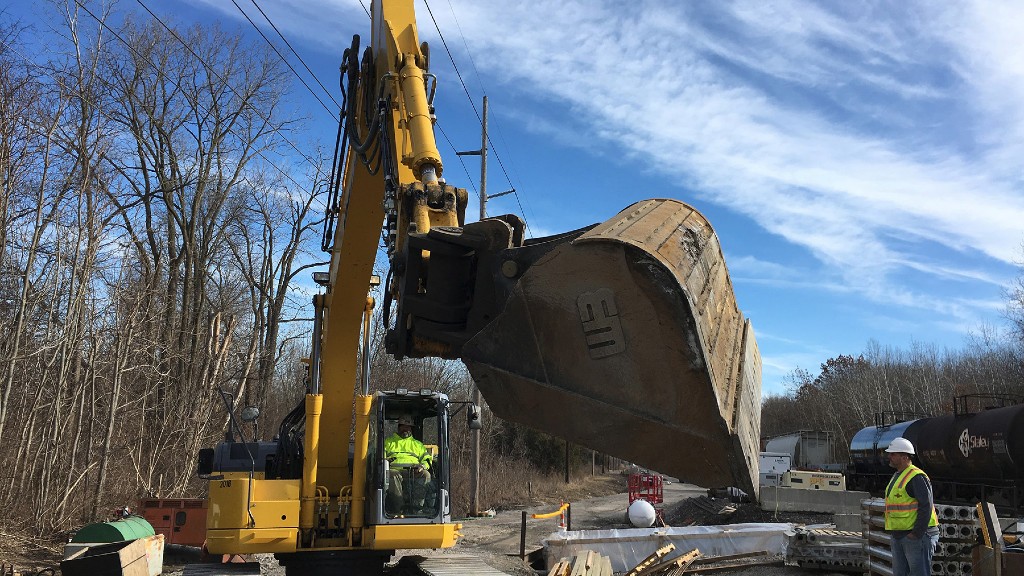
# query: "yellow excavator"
(623, 337)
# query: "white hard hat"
(900, 445)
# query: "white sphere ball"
(641, 514)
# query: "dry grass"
(27, 552)
(508, 485)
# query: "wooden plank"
(582, 563)
(680, 562)
(991, 533)
(561, 568)
(723, 567)
(651, 560)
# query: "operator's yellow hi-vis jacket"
(900, 507)
(406, 451)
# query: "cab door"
(398, 493)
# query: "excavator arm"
(387, 171)
(624, 337)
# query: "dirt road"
(501, 534)
(497, 539)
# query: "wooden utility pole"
(474, 435)
(474, 468)
(483, 165)
(566, 461)
(474, 481)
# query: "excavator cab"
(407, 454)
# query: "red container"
(181, 520)
(647, 487)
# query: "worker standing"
(910, 513)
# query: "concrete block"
(797, 500)
(848, 522)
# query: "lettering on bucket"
(601, 326)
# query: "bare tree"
(124, 296)
(267, 243)
(200, 107)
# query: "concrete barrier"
(776, 498)
(628, 547)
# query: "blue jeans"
(913, 556)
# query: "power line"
(461, 161)
(289, 44)
(454, 65)
(473, 104)
(466, 44)
(498, 124)
(285, 60)
(209, 70)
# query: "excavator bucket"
(628, 340)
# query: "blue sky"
(859, 161)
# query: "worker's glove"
(417, 470)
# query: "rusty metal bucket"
(628, 340)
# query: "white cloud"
(721, 101)
(313, 24)
(776, 368)
(955, 273)
(763, 269)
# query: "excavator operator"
(409, 469)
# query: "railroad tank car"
(807, 449)
(968, 455)
(867, 448)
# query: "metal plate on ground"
(450, 565)
(228, 569)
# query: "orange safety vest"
(900, 507)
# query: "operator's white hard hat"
(406, 419)
(900, 445)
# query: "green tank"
(130, 528)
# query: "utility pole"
(566, 461)
(474, 476)
(483, 180)
(474, 468)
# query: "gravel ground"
(496, 540)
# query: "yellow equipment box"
(814, 480)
